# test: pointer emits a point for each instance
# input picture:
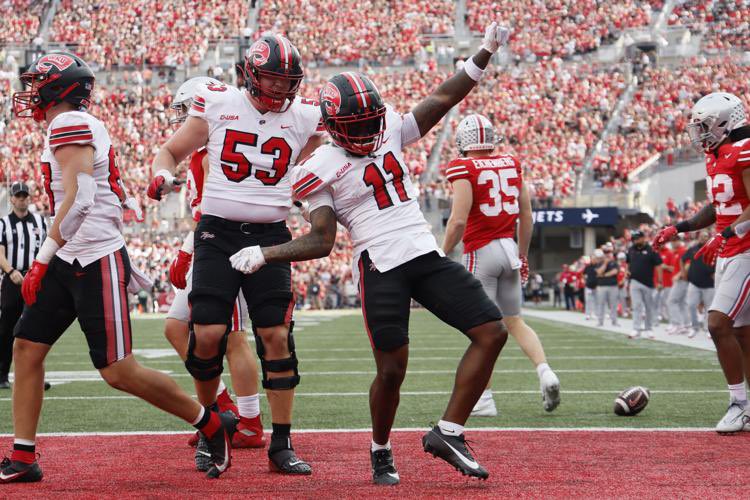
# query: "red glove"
(664, 235)
(524, 270)
(179, 269)
(32, 282)
(711, 250)
(161, 184)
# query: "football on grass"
(631, 401)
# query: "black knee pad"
(208, 308)
(278, 365)
(389, 338)
(273, 309)
(205, 369)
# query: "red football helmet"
(54, 78)
(274, 57)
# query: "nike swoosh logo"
(247, 432)
(469, 463)
(286, 126)
(3, 477)
(393, 475)
(296, 462)
(725, 156)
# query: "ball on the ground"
(631, 401)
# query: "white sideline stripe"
(400, 429)
(404, 393)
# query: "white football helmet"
(712, 119)
(183, 98)
(475, 133)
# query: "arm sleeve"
(70, 128)
(457, 169)
(409, 130)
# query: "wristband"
(682, 227)
(187, 245)
(728, 232)
(168, 177)
(472, 70)
(47, 251)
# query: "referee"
(21, 235)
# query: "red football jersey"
(667, 258)
(195, 182)
(496, 186)
(726, 190)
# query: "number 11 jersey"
(250, 153)
(372, 196)
(496, 186)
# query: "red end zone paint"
(548, 464)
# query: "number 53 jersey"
(496, 185)
(250, 153)
(726, 190)
(372, 196)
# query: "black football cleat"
(383, 470)
(19, 472)
(203, 460)
(220, 445)
(285, 461)
(453, 450)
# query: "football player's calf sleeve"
(527, 339)
(81, 207)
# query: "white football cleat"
(735, 419)
(485, 407)
(550, 385)
(634, 334)
(649, 334)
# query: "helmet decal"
(59, 61)
(260, 52)
(330, 97)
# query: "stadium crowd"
(655, 120)
(723, 23)
(374, 29)
(138, 32)
(20, 20)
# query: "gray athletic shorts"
(493, 267)
(732, 285)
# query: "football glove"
(711, 250)
(139, 281)
(664, 235)
(161, 184)
(495, 36)
(131, 203)
(524, 269)
(248, 260)
(179, 269)
(32, 282)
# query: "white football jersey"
(101, 231)
(373, 196)
(249, 153)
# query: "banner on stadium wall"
(589, 216)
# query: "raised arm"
(452, 91)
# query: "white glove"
(495, 36)
(248, 260)
(132, 204)
(139, 281)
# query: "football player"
(361, 181)
(253, 136)
(489, 200)
(82, 269)
(241, 360)
(718, 128)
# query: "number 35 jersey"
(373, 196)
(249, 153)
(101, 231)
(726, 190)
(496, 185)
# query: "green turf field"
(687, 387)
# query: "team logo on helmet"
(59, 61)
(331, 98)
(260, 52)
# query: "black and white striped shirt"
(22, 238)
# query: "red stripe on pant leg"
(362, 298)
(745, 290)
(289, 311)
(124, 311)
(109, 314)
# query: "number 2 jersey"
(250, 153)
(726, 190)
(496, 185)
(101, 231)
(372, 196)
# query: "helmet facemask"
(359, 134)
(29, 103)
(179, 111)
(274, 100)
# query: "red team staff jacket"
(496, 186)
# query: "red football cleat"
(249, 434)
